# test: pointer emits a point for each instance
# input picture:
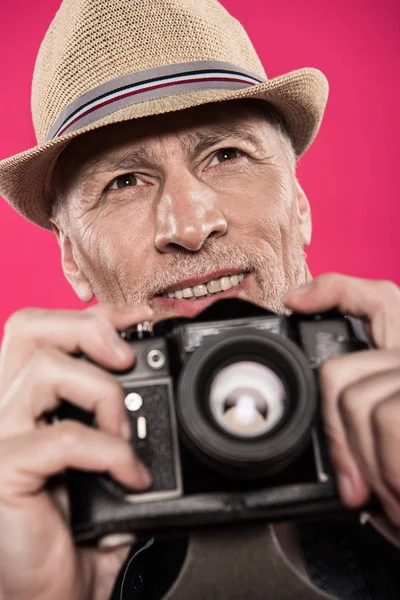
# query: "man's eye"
(226, 154)
(123, 181)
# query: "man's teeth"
(205, 289)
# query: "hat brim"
(300, 96)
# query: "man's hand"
(38, 558)
(361, 391)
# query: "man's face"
(179, 210)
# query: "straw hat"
(107, 61)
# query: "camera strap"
(228, 563)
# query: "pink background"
(351, 173)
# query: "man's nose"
(187, 215)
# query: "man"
(159, 213)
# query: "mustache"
(214, 256)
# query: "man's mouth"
(207, 288)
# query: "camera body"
(224, 412)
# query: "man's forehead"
(193, 129)
(152, 148)
(183, 123)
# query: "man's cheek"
(266, 210)
(97, 255)
(262, 224)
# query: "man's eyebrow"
(193, 142)
(137, 156)
(199, 141)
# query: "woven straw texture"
(91, 42)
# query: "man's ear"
(303, 214)
(72, 270)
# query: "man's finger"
(30, 459)
(386, 426)
(358, 405)
(92, 331)
(377, 301)
(336, 374)
(51, 375)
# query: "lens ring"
(258, 454)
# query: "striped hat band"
(149, 84)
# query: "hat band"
(150, 84)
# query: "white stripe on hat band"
(144, 86)
(149, 85)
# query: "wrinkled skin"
(188, 210)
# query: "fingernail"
(145, 310)
(134, 309)
(121, 348)
(303, 289)
(126, 431)
(144, 475)
(345, 487)
(116, 540)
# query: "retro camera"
(224, 412)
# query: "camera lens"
(246, 402)
(247, 399)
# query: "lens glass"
(247, 399)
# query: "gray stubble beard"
(273, 279)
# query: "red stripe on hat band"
(148, 89)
